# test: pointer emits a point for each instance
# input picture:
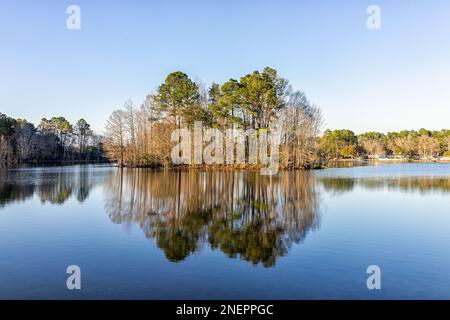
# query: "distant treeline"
(53, 140)
(423, 144)
(141, 136)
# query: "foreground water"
(138, 233)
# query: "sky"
(393, 78)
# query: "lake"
(154, 234)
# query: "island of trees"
(140, 136)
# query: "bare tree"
(375, 148)
(130, 127)
(302, 123)
(115, 136)
(427, 147)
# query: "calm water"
(138, 233)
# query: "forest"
(54, 140)
(407, 144)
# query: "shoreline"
(389, 160)
(44, 164)
(251, 168)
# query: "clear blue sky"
(389, 79)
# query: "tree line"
(411, 144)
(53, 140)
(141, 136)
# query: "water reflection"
(420, 184)
(244, 215)
(53, 186)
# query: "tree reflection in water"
(244, 214)
(421, 184)
(51, 185)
